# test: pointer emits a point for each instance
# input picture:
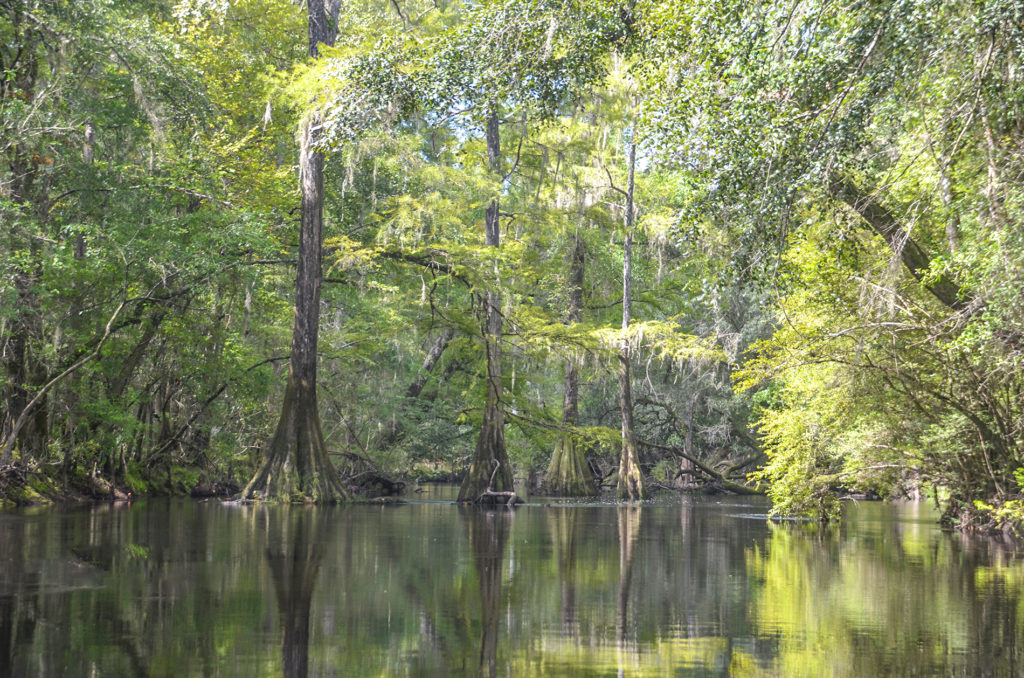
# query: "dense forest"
(288, 250)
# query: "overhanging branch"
(882, 222)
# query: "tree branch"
(5, 457)
(882, 222)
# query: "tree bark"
(430, 362)
(882, 222)
(490, 453)
(296, 466)
(630, 485)
(568, 473)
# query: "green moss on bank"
(22, 488)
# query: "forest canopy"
(290, 250)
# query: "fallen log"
(717, 479)
(494, 498)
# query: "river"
(676, 587)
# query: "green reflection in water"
(431, 589)
(886, 597)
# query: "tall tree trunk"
(631, 484)
(568, 473)
(296, 466)
(490, 468)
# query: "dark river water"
(687, 587)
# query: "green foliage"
(135, 479)
(891, 367)
(133, 197)
(1008, 513)
(827, 219)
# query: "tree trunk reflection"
(488, 538)
(629, 528)
(295, 548)
(564, 525)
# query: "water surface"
(691, 587)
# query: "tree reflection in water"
(295, 549)
(708, 588)
(564, 523)
(488, 538)
(629, 528)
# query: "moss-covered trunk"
(630, 485)
(568, 473)
(490, 469)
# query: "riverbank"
(23, 486)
